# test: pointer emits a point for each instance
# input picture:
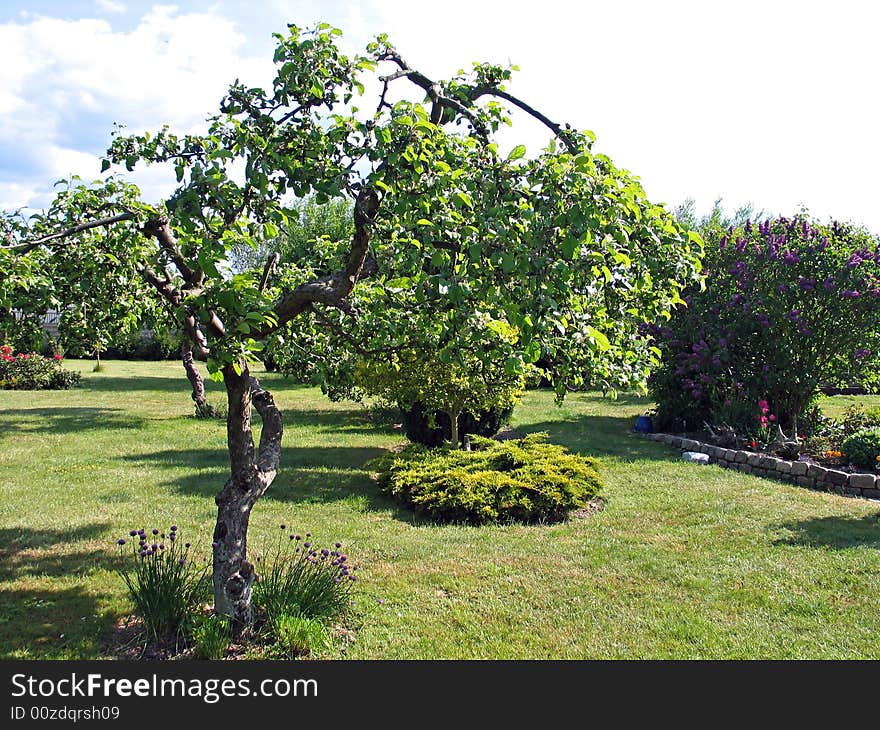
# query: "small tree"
(562, 246)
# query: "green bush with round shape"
(524, 480)
(863, 447)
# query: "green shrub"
(211, 636)
(863, 447)
(301, 636)
(298, 579)
(524, 480)
(164, 583)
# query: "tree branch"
(79, 228)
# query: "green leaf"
(599, 338)
(465, 198)
(105, 165)
(516, 153)
(532, 352)
(570, 246)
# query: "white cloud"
(64, 82)
(110, 6)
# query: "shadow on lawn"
(39, 621)
(834, 532)
(602, 436)
(308, 475)
(66, 420)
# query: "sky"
(769, 103)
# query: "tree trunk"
(251, 474)
(453, 421)
(195, 380)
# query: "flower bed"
(32, 371)
(805, 472)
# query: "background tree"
(562, 246)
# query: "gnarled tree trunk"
(251, 474)
(195, 379)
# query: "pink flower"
(59, 357)
(772, 417)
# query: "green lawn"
(684, 562)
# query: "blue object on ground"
(644, 425)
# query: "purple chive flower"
(133, 533)
(381, 601)
(162, 535)
(308, 534)
(155, 532)
(186, 545)
(283, 527)
(162, 546)
(307, 544)
(338, 545)
(181, 561)
(297, 537)
(142, 532)
(352, 577)
(173, 528)
(292, 537)
(325, 552)
(173, 536)
(120, 541)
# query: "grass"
(684, 561)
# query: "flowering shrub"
(32, 371)
(863, 447)
(164, 582)
(525, 480)
(297, 578)
(789, 305)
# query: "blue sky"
(772, 103)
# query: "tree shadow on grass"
(318, 474)
(602, 436)
(66, 420)
(36, 620)
(839, 533)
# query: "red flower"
(59, 357)
(754, 444)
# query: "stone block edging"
(801, 473)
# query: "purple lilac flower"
(806, 283)
(790, 257)
(849, 294)
(862, 353)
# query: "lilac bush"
(789, 305)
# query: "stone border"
(802, 473)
